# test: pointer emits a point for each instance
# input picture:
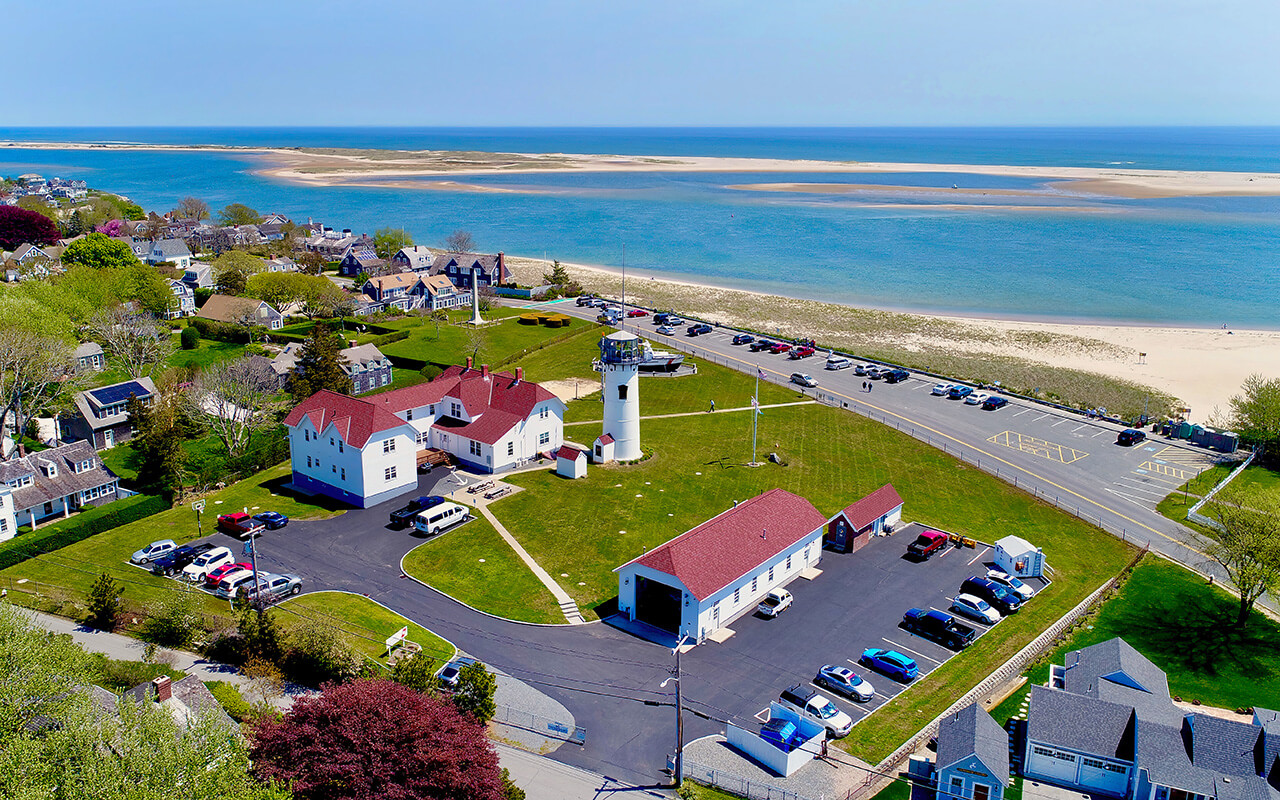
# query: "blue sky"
(688, 62)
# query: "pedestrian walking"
(869, 386)
(713, 407)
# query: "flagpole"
(755, 416)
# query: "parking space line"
(978, 556)
(1135, 500)
(1141, 488)
(917, 652)
(1042, 416)
(1099, 433)
(1078, 427)
(1023, 411)
(1153, 477)
(1059, 422)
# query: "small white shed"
(571, 462)
(602, 449)
(1019, 558)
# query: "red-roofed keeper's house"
(706, 577)
(873, 515)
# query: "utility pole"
(252, 547)
(677, 773)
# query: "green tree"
(239, 214)
(416, 671)
(1255, 415)
(192, 208)
(232, 269)
(323, 299)
(558, 275)
(319, 365)
(75, 225)
(1246, 544)
(475, 692)
(38, 205)
(317, 656)
(160, 428)
(42, 673)
(189, 338)
(172, 621)
(99, 251)
(310, 263)
(282, 289)
(509, 789)
(153, 292)
(388, 241)
(104, 602)
(260, 635)
(460, 242)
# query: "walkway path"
(701, 413)
(567, 606)
(544, 779)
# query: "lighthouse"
(620, 357)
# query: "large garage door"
(1052, 764)
(658, 604)
(1103, 776)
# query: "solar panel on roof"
(110, 395)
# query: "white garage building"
(706, 577)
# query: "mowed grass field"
(453, 343)
(365, 624)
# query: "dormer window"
(408, 415)
(50, 470)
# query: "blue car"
(891, 663)
(274, 520)
(960, 392)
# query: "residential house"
(184, 297)
(873, 515)
(89, 356)
(57, 481)
(281, 264)
(413, 259)
(199, 275)
(492, 269)
(273, 219)
(185, 698)
(271, 231)
(174, 251)
(141, 248)
(402, 291)
(101, 415)
(8, 514)
(438, 293)
(246, 311)
(973, 756)
(365, 364)
(357, 260)
(31, 261)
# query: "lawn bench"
(480, 487)
(496, 493)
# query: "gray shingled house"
(102, 416)
(57, 481)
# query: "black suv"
(895, 375)
(941, 628)
(743, 338)
(174, 561)
(760, 344)
(403, 517)
(694, 330)
(1004, 600)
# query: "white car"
(975, 608)
(1011, 583)
(976, 399)
(667, 330)
(941, 389)
(774, 603)
(207, 562)
(152, 551)
(838, 362)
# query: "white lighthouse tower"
(620, 357)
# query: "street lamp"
(678, 772)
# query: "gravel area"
(524, 714)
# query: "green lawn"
(455, 342)
(473, 564)
(364, 623)
(207, 352)
(1255, 482)
(68, 573)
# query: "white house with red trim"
(705, 578)
(488, 421)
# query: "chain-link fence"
(553, 728)
(736, 784)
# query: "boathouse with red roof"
(874, 515)
(706, 577)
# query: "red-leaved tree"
(377, 740)
(19, 226)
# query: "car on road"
(274, 520)
(1130, 436)
(926, 544)
(941, 628)
(1010, 582)
(803, 379)
(960, 392)
(403, 517)
(152, 551)
(995, 403)
(202, 564)
(845, 681)
(274, 587)
(667, 330)
(177, 559)
(215, 575)
(586, 300)
(891, 663)
(637, 312)
(779, 347)
(743, 338)
(774, 603)
(975, 608)
(698, 329)
(895, 375)
(1004, 600)
(817, 708)
(803, 351)
(760, 344)
(838, 362)
(448, 674)
(941, 389)
(977, 399)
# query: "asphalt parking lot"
(856, 603)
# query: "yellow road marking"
(1038, 447)
(1168, 470)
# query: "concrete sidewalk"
(545, 779)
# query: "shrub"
(190, 338)
(121, 676)
(80, 527)
(171, 621)
(317, 657)
(232, 702)
(397, 336)
(529, 319)
(430, 372)
(105, 606)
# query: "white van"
(838, 362)
(439, 518)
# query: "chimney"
(468, 362)
(502, 268)
(351, 342)
(484, 370)
(519, 374)
(163, 687)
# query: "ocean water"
(1184, 261)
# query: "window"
(770, 574)
(308, 461)
(622, 391)
(4, 525)
(422, 438)
(306, 434)
(388, 445)
(333, 468)
(344, 473)
(386, 378)
(340, 447)
(408, 414)
(455, 410)
(957, 787)
(51, 471)
(788, 562)
(331, 441)
(511, 449)
(754, 581)
(1091, 762)
(389, 473)
(544, 413)
(1115, 768)
(475, 448)
(544, 438)
(737, 595)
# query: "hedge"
(224, 331)
(80, 527)
(397, 336)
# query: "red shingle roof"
(501, 391)
(864, 512)
(356, 420)
(606, 439)
(570, 452)
(489, 428)
(722, 550)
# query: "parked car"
(743, 338)
(231, 585)
(774, 603)
(861, 369)
(803, 351)
(609, 317)
(873, 371)
(802, 379)
(215, 575)
(779, 347)
(667, 330)
(152, 551)
(274, 520)
(926, 544)
(977, 399)
(845, 681)
(891, 663)
(439, 518)
(941, 628)
(817, 708)
(585, 300)
(673, 321)
(760, 344)
(202, 564)
(895, 375)
(1010, 582)
(959, 392)
(1130, 436)
(240, 525)
(975, 608)
(942, 389)
(448, 674)
(403, 517)
(637, 312)
(698, 329)
(177, 559)
(838, 362)
(599, 302)
(273, 587)
(995, 403)
(1004, 600)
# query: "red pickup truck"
(803, 351)
(926, 544)
(240, 524)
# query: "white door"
(1052, 764)
(108, 438)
